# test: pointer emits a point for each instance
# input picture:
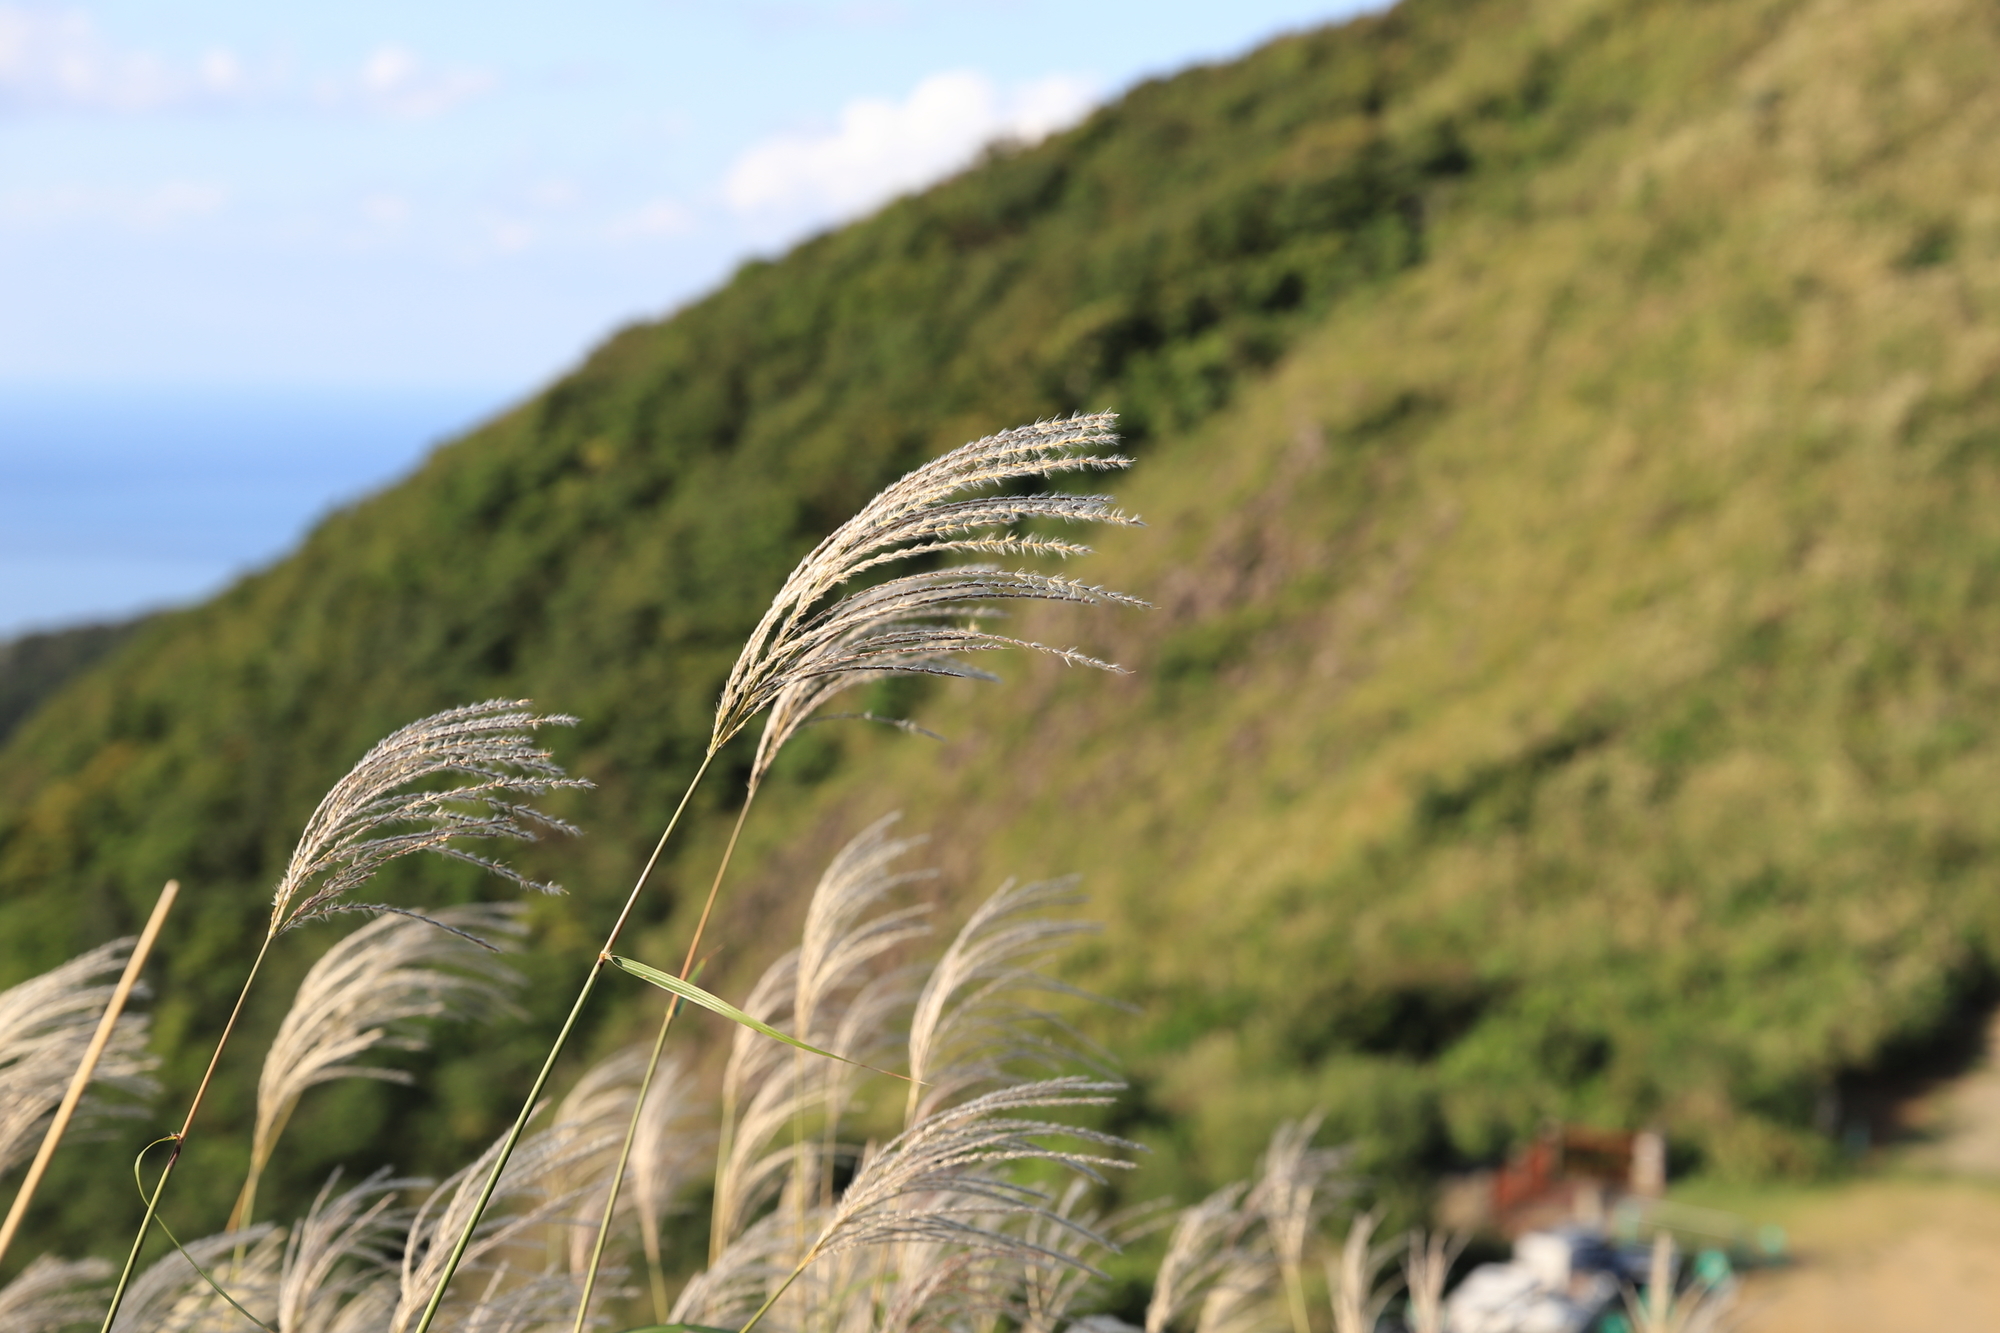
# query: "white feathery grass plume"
(844, 1294)
(369, 1311)
(51, 1294)
(882, 1288)
(1238, 1300)
(340, 1255)
(939, 1192)
(594, 1114)
(972, 1026)
(1426, 1268)
(46, 1023)
(832, 1005)
(1354, 1284)
(853, 1292)
(945, 1178)
(819, 991)
(171, 1296)
(868, 1031)
(526, 1199)
(1208, 1238)
(836, 944)
(933, 1287)
(1051, 1287)
(375, 991)
(668, 1151)
(761, 1092)
(374, 816)
(808, 647)
(738, 1279)
(1292, 1195)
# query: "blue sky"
(255, 259)
(461, 194)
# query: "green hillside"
(1570, 435)
(34, 666)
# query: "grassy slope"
(1569, 688)
(1574, 684)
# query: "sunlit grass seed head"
(52, 1294)
(46, 1022)
(374, 991)
(810, 646)
(373, 816)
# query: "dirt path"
(1883, 1256)
(1916, 1247)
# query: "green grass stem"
(180, 1138)
(656, 1277)
(555, 1051)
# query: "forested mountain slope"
(34, 666)
(1570, 435)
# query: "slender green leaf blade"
(687, 990)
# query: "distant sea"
(119, 501)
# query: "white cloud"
(880, 148)
(58, 60)
(395, 81)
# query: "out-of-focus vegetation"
(34, 666)
(1572, 686)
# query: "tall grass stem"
(658, 1279)
(180, 1139)
(98, 1041)
(618, 1178)
(548, 1065)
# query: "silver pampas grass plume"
(376, 815)
(1293, 1195)
(974, 1025)
(1210, 1240)
(172, 1297)
(810, 646)
(530, 1197)
(1354, 1283)
(46, 1023)
(943, 1198)
(947, 1178)
(338, 1266)
(374, 991)
(52, 1294)
(1426, 1268)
